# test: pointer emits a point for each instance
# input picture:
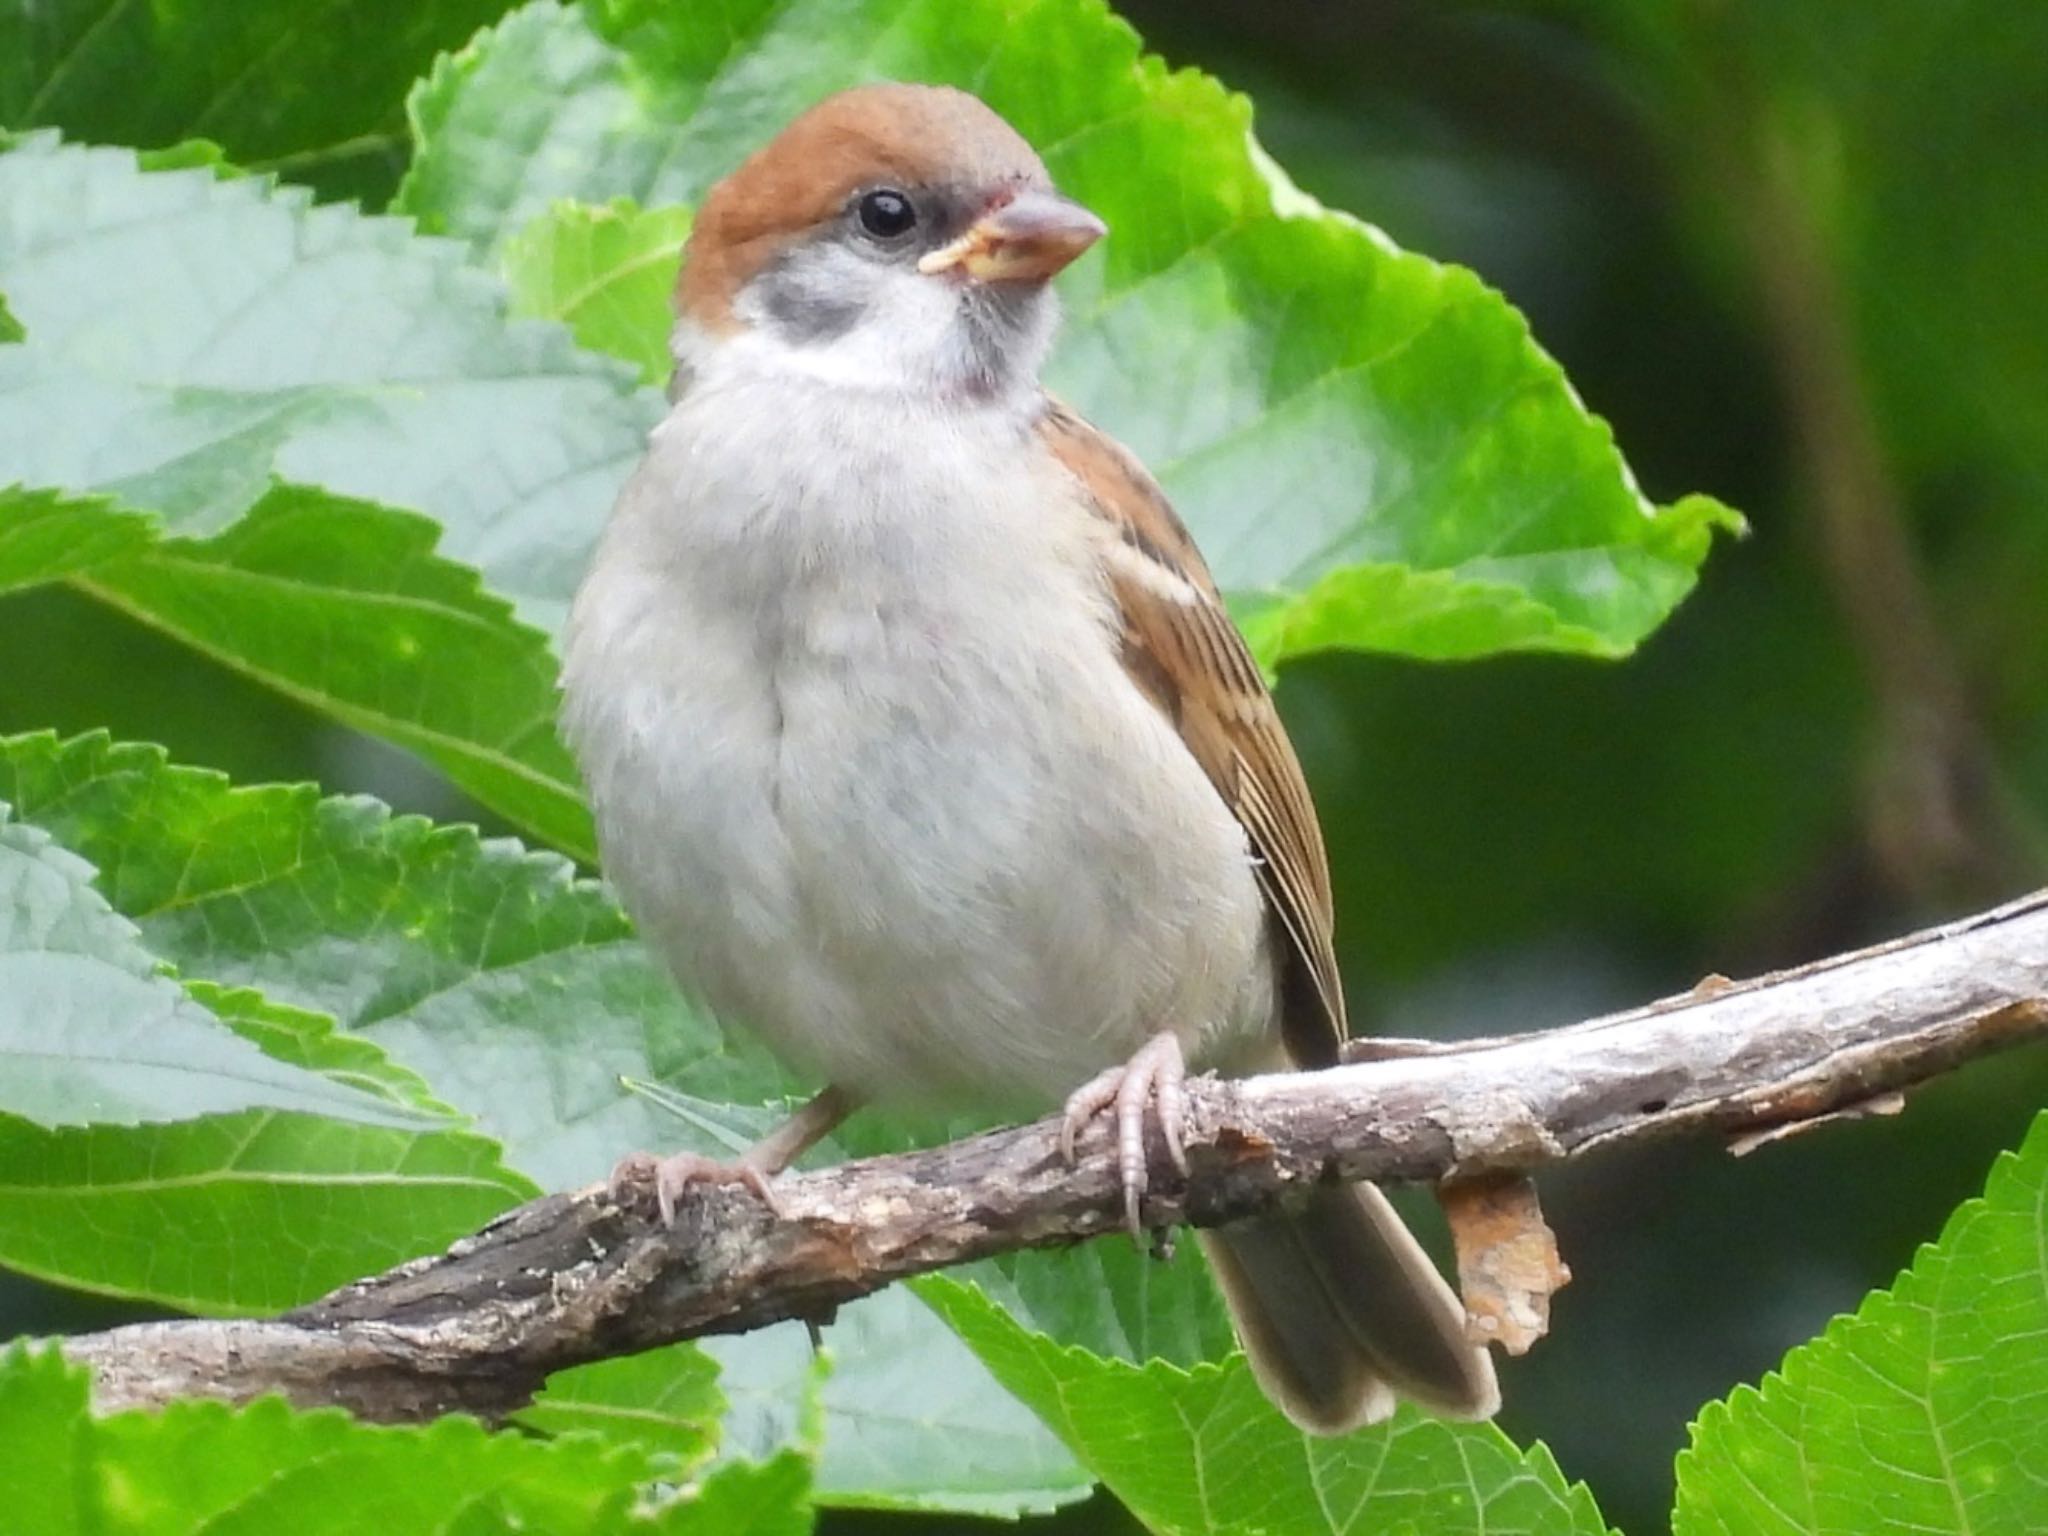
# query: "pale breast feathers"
(1181, 648)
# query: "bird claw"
(673, 1175)
(1152, 1076)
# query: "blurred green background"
(1794, 252)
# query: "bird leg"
(674, 1174)
(1152, 1076)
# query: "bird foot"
(1152, 1077)
(673, 1175)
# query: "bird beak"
(1026, 239)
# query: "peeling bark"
(577, 1277)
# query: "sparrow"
(919, 740)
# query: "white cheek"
(911, 334)
(908, 336)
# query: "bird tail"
(1341, 1311)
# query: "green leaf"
(896, 1412)
(91, 1030)
(238, 1214)
(912, 1421)
(363, 364)
(203, 1466)
(233, 1206)
(265, 1467)
(1927, 1410)
(10, 328)
(606, 273)
(311, 1040)
(469, 111)
(45, 1443)
(514, 989)
(771, 1498)
(666, 1401)
(190, 154)
(1201, 1450)
(45, 535)
(1446, 616)
(1112, 1299)
(346, 607)
(309, 344)
(318, 85)
(772, 1379)
(1369, 446)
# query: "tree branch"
(578, 1277)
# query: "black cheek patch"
(806, 311)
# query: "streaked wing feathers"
(1181, 648)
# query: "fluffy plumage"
(917, 733)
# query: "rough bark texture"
(577, 1277)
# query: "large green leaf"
(664, 1400)
(45, 1443)
(345, 606)
(514, 989)
(317, 86)
(912, 1420)
(189, 340)
(91, 1030)
(1113, 1299)
(249, 1212)
(768, 1498)
(45, 535)
(1200, 1452)
(241, 1155)
(238, 1213)
(1370, 447)
(203, 1466)
(896, 1412)
(1926, 1411)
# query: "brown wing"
(1182, 649)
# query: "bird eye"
(886, 213)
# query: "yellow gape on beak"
(1027, 239)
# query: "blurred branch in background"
(573, 1278)
(1938, 825)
